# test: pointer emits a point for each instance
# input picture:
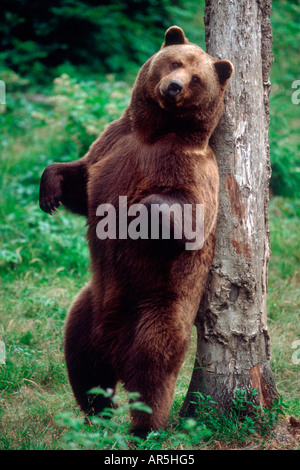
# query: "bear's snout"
(174, 88)
(173, 91)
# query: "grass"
(284, 297)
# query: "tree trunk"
(233, 348)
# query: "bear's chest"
(136, 170)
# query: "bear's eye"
(176, 65)
(195, 79)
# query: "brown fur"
(132, 322)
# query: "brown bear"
(133, 320)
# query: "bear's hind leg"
(157, 354)
(158, 395)
(85, 368)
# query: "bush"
(111, 430)
(244, 420)
(284, 124)
(81, 110)
(107, 37)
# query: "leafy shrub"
(107, 37)
(111, 38)
(83, 108)
(109, 429)
(284, 124)
(243, 420)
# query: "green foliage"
(285, 121)
(285, 242)
(83, 108)
(74, 113)
(111, 428)
(242, 421)
(105, 37)
(61, 128)
(107, 430)
(284, 294)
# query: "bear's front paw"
(51, 190)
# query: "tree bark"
(233, 349)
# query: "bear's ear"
(224, 69)
(174, 35)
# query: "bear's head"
(182, 81)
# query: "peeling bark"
(233, 342)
